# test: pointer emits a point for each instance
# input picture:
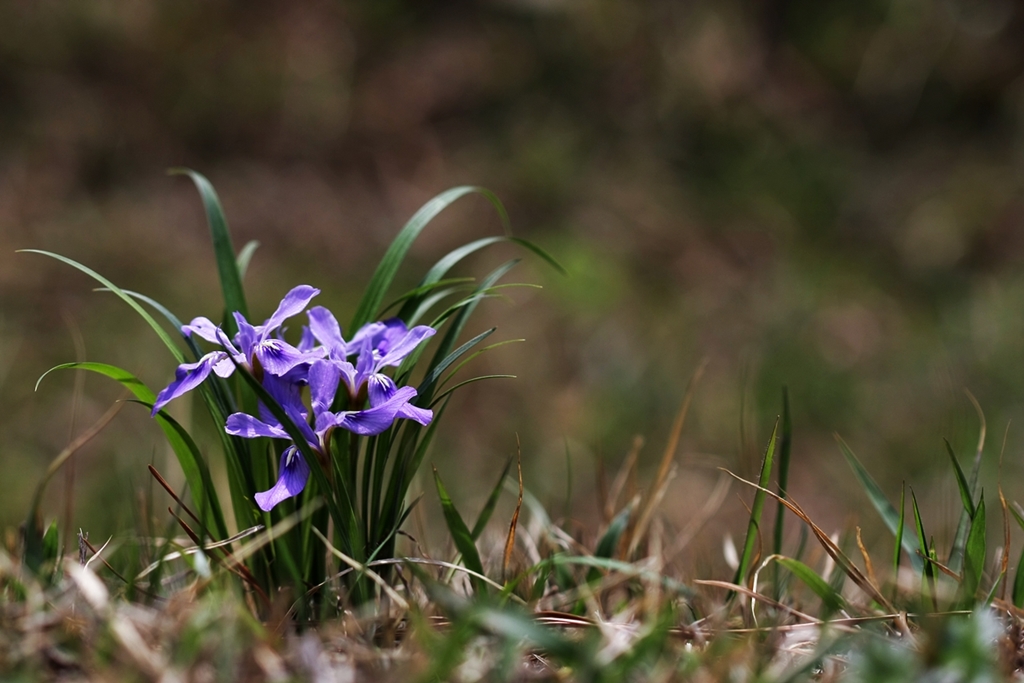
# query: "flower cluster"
(324, 363)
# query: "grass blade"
(227, 264)
(1018, 582)
(961, 481)
(389, 264)
(831, 598)
(956, 552)
(245, 257)
(754, 526)
(898, 546)
(426, 387)
(974, 555)
(460, 534)
(610, 540)
(492, 501)
(785, 447)
(883, 506)
(927, 569)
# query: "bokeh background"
(819, 194)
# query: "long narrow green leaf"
(427, 303)
(160, 331)
(974, 555)
(928, 569)
(1018, 582)
(898, 546)
(389, 264)
(831, 598)
(785, 447)
(473, 356)
(610, 539)
(536, 249)
(414, 297)
(245, 257)
(450, 390)
(882, 505)
(460, 535)
(227, 263)
(442, 356)
(754, 526)
(410, 457)
(1017, 515)
(961, 481)
(426, 387)
(438, 271)
(956, 551)
(192, 464)
(492, 500)
(448, 261)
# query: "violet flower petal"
(293, 303)
(403, 346)
(324, 377)
(248, 427)
(372, 420)
(187, 377)
(278, 357)
(294, 473)
(411, 412)
(307, 341)
(327, 331)
(380, 389)
(247, 337)
(203, 327)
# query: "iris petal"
(367, 422)
(411, 412)
(203, 327)
(326, 329)
(324, 377)
(247, 335)
(278, 357)
(380, 389)
(248, 427)
(378, 418)
(293, 303)
(406, 344)
(187, 377)
(294, 473)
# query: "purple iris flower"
(257, 347)
(378, 345)
(387, 403)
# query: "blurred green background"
(820, 194)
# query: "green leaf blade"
(974, 556)
(831, 598)
(387, 269)
(460, 534)
(882, 505)
(224, 252)
(753, 527)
